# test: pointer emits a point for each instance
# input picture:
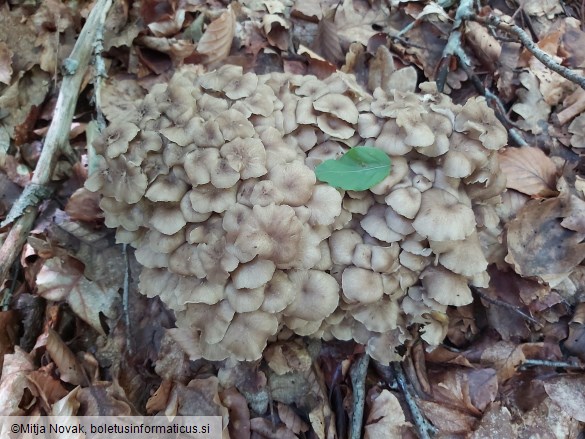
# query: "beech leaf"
(358, 169)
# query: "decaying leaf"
(529, 170)
(60, 279)
(216, 41)
(539, 246)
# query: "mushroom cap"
(464, 257)
(294, 181)
(404, 201)
(335, 127)
(324, 205)
(361, 286)
(374, 223)
(446, 287)
(339, 105)
(442, 217)
(244, 299)
(253, 274)
(167, 219)
(342, 244)
(380, 316)
(317, 295)
(279, 292)
(246, 156)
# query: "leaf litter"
(492, 377)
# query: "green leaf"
(358, 169)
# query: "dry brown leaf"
(574, 105)
(539, 246)
(448, 420)
(61, 279)
(239, 412)
(83, 205)
(46, 386)
(5, 63)
(70, 369)
(529, 170)
(264, 429)
(13, 382)
(531, 106)
(542, 7)
(575, 342)
(66, 406)
(158, 401)
(496, 422)
(357, 25)
(568, 392)
(287, 357)
(504, 357)
(485, 46)
(574, 215)
(327, 42)
(289, 417)
(9, 324)
(276, 30)
(216, 41)
(386, 418)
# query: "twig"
(126, 299)
(358, 382)
(546, 363)
(538, 53)
(57, 135)
(506, 305)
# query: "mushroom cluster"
(211, 178)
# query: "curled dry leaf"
(70, 369)
(529, 170)
(60, 279)
(539, 246)
(216, 41)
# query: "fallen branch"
(56, 140)
(533, 48)
(358, 381)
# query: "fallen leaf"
(386, 418)
(289, 417)
(5, 63)
(239, 425)
(496, 422)
(13, 382)
(485, 45)
(216, 41)
(61, 279)
(70, 369)
(568, 392)
(503, 357)
(531, 105)
(266, 430)
(539, 246)
(529, 170)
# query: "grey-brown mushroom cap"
(317, 295)
(442, 217)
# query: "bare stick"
(57, 135)
(358, 381)
(538, 53)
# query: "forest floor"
(77, 337)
